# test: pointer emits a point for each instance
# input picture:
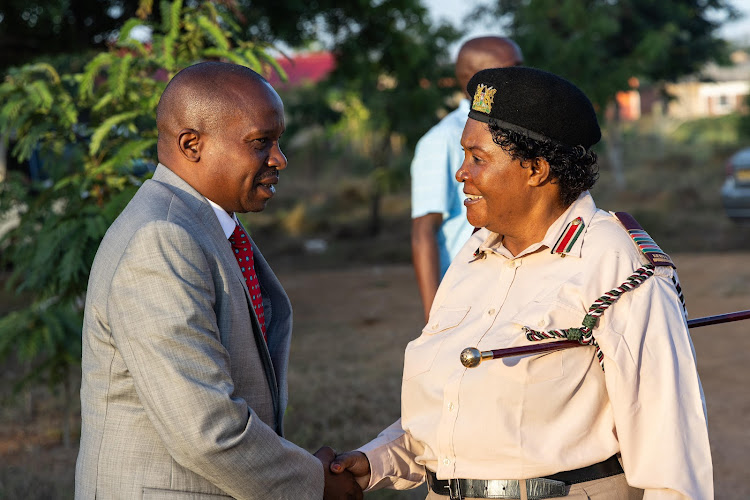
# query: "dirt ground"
(351, 326)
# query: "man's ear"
(189, 142)
(539, 172)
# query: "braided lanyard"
(584, 334)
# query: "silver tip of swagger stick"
(471, 357)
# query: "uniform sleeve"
(656, 395)
(431, 178)
(164, 324)
(392, 457)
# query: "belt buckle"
(501, 488)
(454, 489)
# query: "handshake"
(346, 474)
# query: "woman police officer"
(622, 418)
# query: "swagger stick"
(472, 357)
(719, 318)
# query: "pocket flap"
(162, 494)
(445, 318)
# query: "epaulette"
(643, 241)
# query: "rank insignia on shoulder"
(567, 239)
(643, 241)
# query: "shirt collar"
(228, 222)
(583, 208)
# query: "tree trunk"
(614, 147)
(3, 159)
(28, 396)
(67, 410)
(374, 226)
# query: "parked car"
(735, 193)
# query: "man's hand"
(339, 486)
(355, 462)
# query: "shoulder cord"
(679, 294)
(584, 334)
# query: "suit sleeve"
(163, 322)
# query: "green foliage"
(392, 77)
(38, 30)
(48, 336)
(652, 41)
(37, 107)
(388, 54)
(723, 130)
(92, 129)
(743, 125)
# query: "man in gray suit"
(185, 348)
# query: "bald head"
(484, 53)
(219, 129)
(201, 97)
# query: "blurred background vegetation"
(81, 80)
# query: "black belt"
(610, 467)
(552, 486)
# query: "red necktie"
(243, 252)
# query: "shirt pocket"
(421, 352)
(544, 315)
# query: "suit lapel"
(211, 226)
(268, 364)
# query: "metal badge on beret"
(539, 104)
(483, 98)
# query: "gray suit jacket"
(181, 398)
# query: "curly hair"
(574, 168)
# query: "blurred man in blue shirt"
(439, 225)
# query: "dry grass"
(34, 464)
(673, 190)
(347, 354)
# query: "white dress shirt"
(536, 415)
(228, 222)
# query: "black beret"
(536, 103)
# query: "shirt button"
(491, 312)
(434, 325)
(451, 406)
(541, 322)
(446, 461)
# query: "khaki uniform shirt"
(536, 415)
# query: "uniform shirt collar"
(583, 208)
(228, 222)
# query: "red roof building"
(304, 68)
